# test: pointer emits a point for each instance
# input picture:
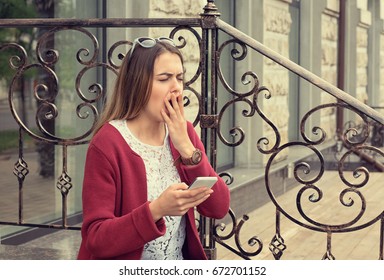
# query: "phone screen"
(203, 182)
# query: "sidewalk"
(61, 245)
(39, 201)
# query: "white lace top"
(161, 173)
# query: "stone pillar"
(375, 63)
(329, 58)
(277, 21)
(310, 48)
(358, 21)
(249, 19)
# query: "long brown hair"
(134, 83)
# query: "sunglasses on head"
(147, 42)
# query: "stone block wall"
(277, 25)
(362, 63)
(364, 23)
(329, 45)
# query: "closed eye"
(166, 76)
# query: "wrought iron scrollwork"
(249, 98)
(235, 231)
(87, 98)
(21, 169)
(46, 92)
(181, 42)
(354, 140)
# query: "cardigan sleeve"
(217, 205)
(109, 234)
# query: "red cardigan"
(117, 222)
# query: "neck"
(151, 133)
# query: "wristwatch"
(194, 159)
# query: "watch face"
(196, 156)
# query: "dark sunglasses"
(147, 42)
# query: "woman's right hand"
(177, 199)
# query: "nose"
(177, 86)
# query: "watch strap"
(193, 160)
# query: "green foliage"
(16, 9)
(21, 36)
(9, 140)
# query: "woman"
(140, 162)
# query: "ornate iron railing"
(203, 85)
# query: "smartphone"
(203, 182)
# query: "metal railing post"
(209, 109)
